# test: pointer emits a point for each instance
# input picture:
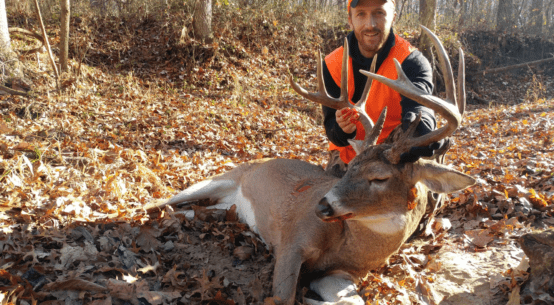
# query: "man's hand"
(347, 118)
(420, 151)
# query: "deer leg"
(285, 275)
(338, 288)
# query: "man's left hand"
(420, 151)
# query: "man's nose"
(371, 24)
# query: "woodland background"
(149, 99)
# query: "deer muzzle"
(324, 209)
(325, 212)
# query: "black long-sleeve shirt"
(417, 69)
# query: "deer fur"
(279, 200)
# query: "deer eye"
(379, 180)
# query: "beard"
(371, 41)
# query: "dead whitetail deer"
(341, 228)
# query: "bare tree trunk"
(536, 20)
(548, 13)
(401, 9)
(427, 17)
(463, 14)
(519, 15)
(473, 11)
(5, 46)
(203, 20)
(504, 15)
(10, 64)
(64, 39)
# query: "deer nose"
(324, 209)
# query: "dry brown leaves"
(76, 168)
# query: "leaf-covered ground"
(139, 122)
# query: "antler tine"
(447, 108)
(322, 97)
(368, 84)
(372, 130)
(461, 83)
(344, 73)
(445, 66)
(372, 137)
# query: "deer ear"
(440, 178)
(357, 145)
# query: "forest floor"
(146, 113)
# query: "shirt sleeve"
(419, 72)
(335, 134)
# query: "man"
(372, 34)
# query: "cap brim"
(354, 3)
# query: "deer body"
(341, 228)
(280, 198)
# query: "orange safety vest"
(379, 96)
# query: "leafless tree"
(536, 17)
(504, 16)
(64, 39)
(427, 17)
(202, 23)
(4, 34)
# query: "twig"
(273, 130)
(50, 55)
(81, 61)
(13, 91)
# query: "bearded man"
(372, 38)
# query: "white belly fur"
(226, 193)
(244, 208)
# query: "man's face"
(371, 21)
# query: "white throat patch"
(389, 224)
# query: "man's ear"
(350, 21)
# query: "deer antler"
(448, 108)
(323, 98)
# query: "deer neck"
(389, 224)
(386, 232)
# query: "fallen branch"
(50, 55)
(12, 91)
(503, 69)
(25, 32)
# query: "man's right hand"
(347, 118)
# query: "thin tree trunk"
(64, 40)
(427, 17)
(549, 12)
(10, 64)
(519, 16)
(473, 11)
(401, 9)
(203, 20)
(5, 45)
(504, 15)
(46, 41)
(536, 20)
